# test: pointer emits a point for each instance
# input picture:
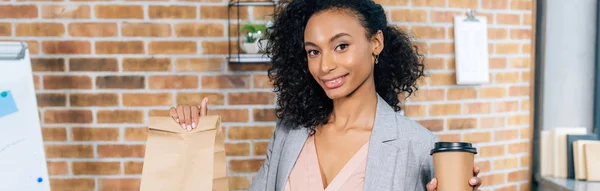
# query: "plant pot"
(250, 48)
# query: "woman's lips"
(336, 82)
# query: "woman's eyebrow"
(339, 35)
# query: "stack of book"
(570, 152)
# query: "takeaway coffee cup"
(453, 165)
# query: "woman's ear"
(377, 42)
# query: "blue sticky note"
(7, 104)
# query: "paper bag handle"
(208, 122)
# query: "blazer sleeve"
(260, 181)
(426, 168)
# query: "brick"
(515, 148)
(521, 4)
(527, 19)
(94, 64)
(69, 151)
(518, 176)
(238, 183)
(490, 151)
(226, 81)
(392, 2)
(429, 95)
(120, 82)
(146, 29)
(54, 134)
(434, 63)
(262, 81)
(199, 30)
(441, 48)
(442, 79)
(409, 15)
(133, 167)
(120, 47)
(518, 120)
(36, 82)
(494, 4)
(217, 47)
(5, 29)
(172, 47)
(507, 77)
(429, 3)
(262, 12)
(493, 179)
(119, 11)
(198, 64)
(497, 33)
(484, 166)
(96, 168)
(415, 110)
(525, 105)
(249, 67)
(462, 123)
(505, 135)
(94, 134)
(136, 134)
(492, 92)
(443, 16)
(248, 165)
(477, 137)
(433, 124)
(147, 64)
(147, 99)
(51, 99)
(444, 109)
(57, 168)
(250, 132)
(507, 48)
(461, 93)
(34, 46)
(120, 151)
(519, 63)
(171, 12)
(525, 186)
(449, 137)
(251, 98)
(68, 116)
(196, 98)
(71, 183)
(520, 34)
(220, 12)
(426, 32)
(69, 11)
(260, 148)
(123, 184)
(173, 82)
(524, 161)
(120, 116)
(508, 19)
(98, 99)
(93, 29)
(526, 133)
(506, 106)
(264, 115)
(475, 108)
(463, 3)
(526, 76)
(164, 113)
(66, 47)
(237, 149)
(497, 62)
(39, 29)
(18, 11)
(67, 82)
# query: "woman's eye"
(312, 52)
(341, 47)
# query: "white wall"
(568, 71)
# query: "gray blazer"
(398, 156)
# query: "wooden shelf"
(249, 58)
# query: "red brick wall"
(102, 67)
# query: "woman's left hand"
(475, 182)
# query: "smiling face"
(340, 56)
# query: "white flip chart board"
(22, 157)
(471, 48)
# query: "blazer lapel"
(383, 155)
(291, 150)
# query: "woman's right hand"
(187, 115)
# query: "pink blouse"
(306, 174)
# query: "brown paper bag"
(178, 160)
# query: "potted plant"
(253, 34)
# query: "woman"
(338, 69)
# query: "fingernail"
(193, 125)
(177, 120)
(182, 126)
(473, 181)
(205, 100)
(189, 127)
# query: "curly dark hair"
(301, 101)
